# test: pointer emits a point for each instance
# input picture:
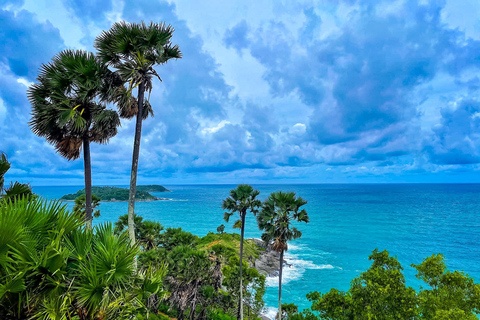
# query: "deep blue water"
(347, 221)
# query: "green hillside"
(152, 188)
(111, 194)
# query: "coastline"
(141, 200)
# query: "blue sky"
(267, 91)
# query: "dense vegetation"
(52, 267)
(381, 293)
(152, 188)
(110, 193)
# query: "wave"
(270, 312)
(295, 267)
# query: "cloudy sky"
(267, 91)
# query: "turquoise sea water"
(347, 221)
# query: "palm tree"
(16, 190)
(279, 211)
(80, 203)
(4, 167)
(68, 108)
(134, 49)
(241, 199)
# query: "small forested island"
(120, 194)
(153, 188)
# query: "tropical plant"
(31, 255)
(53, 268)
(279, 211)
(134, 49)
(253, 286)
(4, 167)
(381, 293)
(147, 233)
(16, 190)
(68, 108)
(452, 295)
(241, 200)
(80, 204)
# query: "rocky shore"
(268, 261)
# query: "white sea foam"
(295, 267)
(270, 312)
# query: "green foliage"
(16, 190)
(152, 188)
(147, 233)
(228, 244)
(221, 228)
(241, 200)
(110, 193)
(253, 285)
(134, 49)
(80, 205)
(452, 295)
(279, 211)
(173, 237)
(4, 167)
(68, 102)
(289, 310)
(219, 315)
(381, 293)
(52, 268)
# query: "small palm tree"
(68, 108)
(134, 49)
(241, 200)
(80, 204)
(279, 211)
(16, 190)
(4, 167)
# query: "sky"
(332, 91)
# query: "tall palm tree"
(134, 49)
(241, 200)
(68, 108)
(279, 211)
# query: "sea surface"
(347, 222)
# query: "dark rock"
(268, 261)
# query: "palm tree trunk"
(240, 307)
(280, 287)
(88, 182)
(136, 153)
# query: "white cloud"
(298, 128)
(216, 128)
(25, 82)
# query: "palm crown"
(133, 49)
(275, 219)
(67, 102)
(241, 199)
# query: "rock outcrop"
(268, 261)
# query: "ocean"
(347, 222)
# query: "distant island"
(120, 194)
(152, 188)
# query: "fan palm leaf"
(279, 211)
(134, 49)
(68, 107)
(241, 199)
